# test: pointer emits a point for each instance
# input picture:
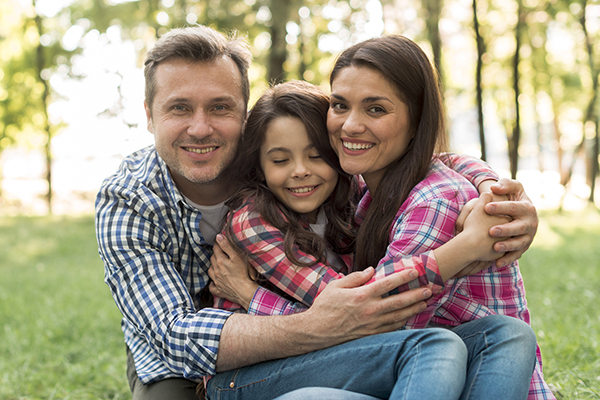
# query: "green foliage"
(60, 336)
(562, 276)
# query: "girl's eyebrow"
(276, 149)
(286, 150)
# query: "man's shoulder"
(141, 175)
(139, 166)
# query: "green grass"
(562, 278)
(60, 336)
(59, 328)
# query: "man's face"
(197, 118)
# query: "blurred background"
(520, 79)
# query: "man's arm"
(344, 311)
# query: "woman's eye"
(281, 161)
(377, 109)
(315, 156)
(337, 106)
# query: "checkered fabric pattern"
(424, 222)
(155, 263)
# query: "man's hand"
(230, 274)
(349, 310)
(523, 227)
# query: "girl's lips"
(303, 191)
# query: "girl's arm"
(265, 246)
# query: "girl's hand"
(477, 226)
(229, 273)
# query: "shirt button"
(231, 385)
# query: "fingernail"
(500, 264)
(220, 237)
(496, 232)
(501, 247)
(367, 270)
(413, 274)
(426, 293)
(491, 208)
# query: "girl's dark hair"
(302, 100)
(406, 67)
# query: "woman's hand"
(229, 273)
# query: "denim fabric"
(319, 393)
(501, 358)
(413, 364)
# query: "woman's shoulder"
(442, 182)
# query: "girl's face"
(368, 124)
(293, 169)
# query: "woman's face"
(368, 124)
(294, 171)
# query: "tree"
(478, 86)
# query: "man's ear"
(148, 117)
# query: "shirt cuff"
(265, 302)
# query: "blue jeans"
(419, 364)
(318, 393)
(415, 364)
(501, 357)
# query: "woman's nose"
(354, 124)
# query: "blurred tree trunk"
(280, 14)
(432, 21)
(513, 143)
(592, 110)
(591, 114)
(595, 165)
(478, 86)
(40, 64)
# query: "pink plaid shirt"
(424, 222)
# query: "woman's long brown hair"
(402, 63)
(309, 104)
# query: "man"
(156, 221)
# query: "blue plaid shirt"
(156, 263)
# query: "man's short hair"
(197, 43)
